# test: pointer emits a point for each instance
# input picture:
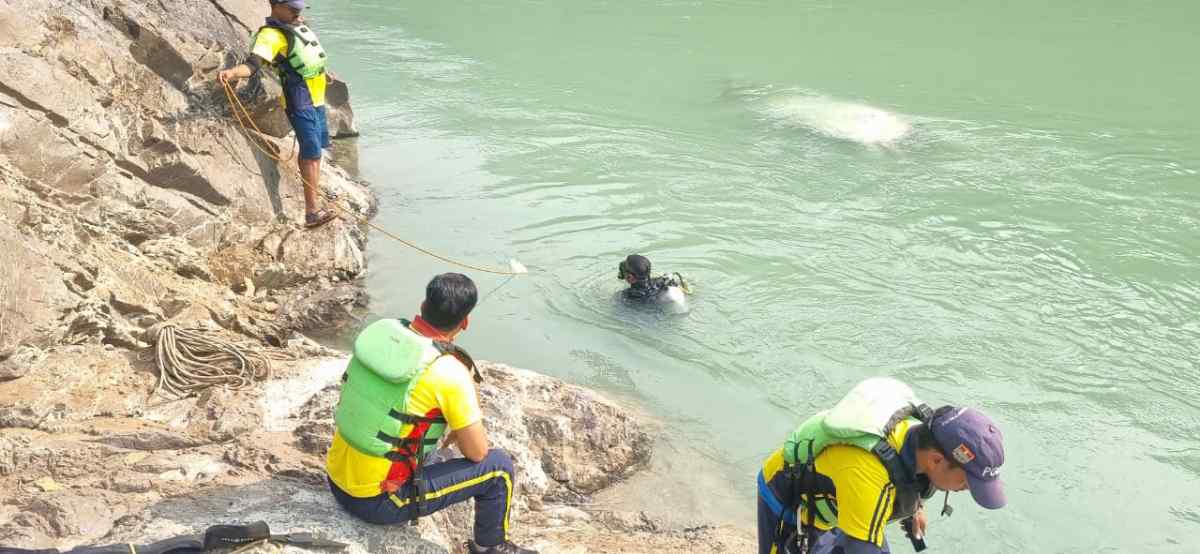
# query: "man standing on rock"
(407, 385)
(292, 48)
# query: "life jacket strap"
(405, 442)
(413, 456)
(291, 33)
(807, 477)
(451, 349)
(447, 348)
(414, 419)
(890, 459)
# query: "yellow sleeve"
(455, 393)
(269, 44)
(865, 495)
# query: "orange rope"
(242, 115)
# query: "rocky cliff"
(129, 198)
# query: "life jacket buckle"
(421, 489)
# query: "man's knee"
(498, 459)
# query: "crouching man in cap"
(873, 459)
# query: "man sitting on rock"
(407, 385)
(292, 48)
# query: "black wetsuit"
(647, 290)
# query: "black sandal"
(318, 218)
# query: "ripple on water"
(1188, 514)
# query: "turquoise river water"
(997, 202)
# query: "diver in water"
(643, 287)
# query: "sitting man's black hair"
(449, 299)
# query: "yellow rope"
(241, 114)
(188, 361)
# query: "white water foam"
(838, 119)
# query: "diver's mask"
(622, 270)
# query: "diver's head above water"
(634, 269)
(668, 289)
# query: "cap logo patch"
(990, 472)
(963, 454)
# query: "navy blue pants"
(489, 482)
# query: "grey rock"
(82, 518)
(179, 255)
(32, 290)
(340, 112)
(16, 363)
(221, 415)
(326, 309)
(285, 506)
(171, 479)
(131, 484)
(149, 439)
(117, 152)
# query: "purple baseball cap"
(975, 442)
(297, 4)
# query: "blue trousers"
(489, 482)
(312, 131)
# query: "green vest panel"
(863, 418)
(796, 447)
(305, 54)
(388, 358)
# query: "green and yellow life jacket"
(388, 359)
(864, 418)
(305, 55)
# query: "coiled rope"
(242, 115)
(190, 361)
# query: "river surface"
(996, 202)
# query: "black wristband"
(254, 63)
